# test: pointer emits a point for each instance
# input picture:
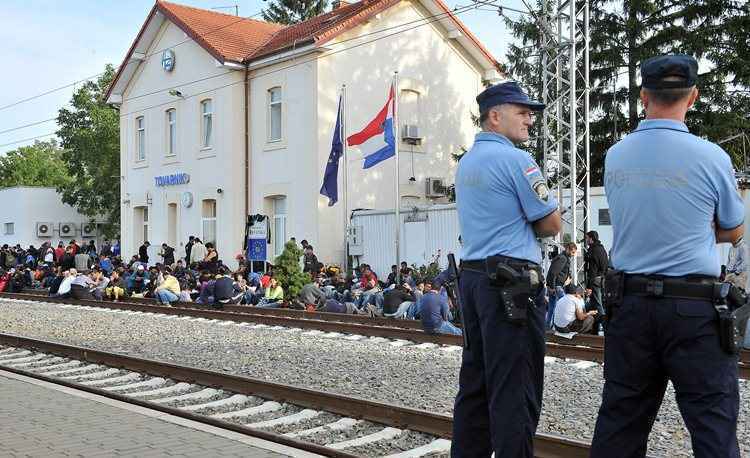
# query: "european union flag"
(330, 187)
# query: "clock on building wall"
(187, 199)
(167, 60)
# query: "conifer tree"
(287, 270)
(293, 11)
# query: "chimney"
(339, 4)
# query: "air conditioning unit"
(355, 237)
(88, 230)
(67, 229)
(410, 134)
(435, 187)
(44, 229)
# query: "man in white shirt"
(569, 314)
(64, 289)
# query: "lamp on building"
(175, 93)
(149, 199)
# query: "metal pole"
(587, 135)
(573, 155)
(398, 188)
(342, 132)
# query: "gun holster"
(614, 290)
(517, 288)
(732, 311)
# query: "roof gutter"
(283, 56)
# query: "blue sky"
(48, 44)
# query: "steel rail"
(546, 445)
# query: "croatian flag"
(377, 140)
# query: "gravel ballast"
(365, 368)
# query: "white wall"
(222, 166)
(287, 167)
(25, 206)
(428, 62)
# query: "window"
(207, 119)
(274, 114)
(604, 217)
(10, 228)
(145, 223)
(279, 225)
(171, 132)
(140, 138)
(208, 221)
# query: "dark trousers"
(502, 374)
(651, 341)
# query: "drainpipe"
(247, 147)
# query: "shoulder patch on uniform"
(541, 190)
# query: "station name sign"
(172, 180)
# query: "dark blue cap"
(659, 72)
(509, 92)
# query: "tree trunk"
(633, 93)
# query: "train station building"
(223, 117)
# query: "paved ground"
(43, 420)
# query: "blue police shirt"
(665, 189)
(500, 191)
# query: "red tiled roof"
(226, 37)
(323, 27)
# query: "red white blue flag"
(377, 140)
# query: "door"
(172, 225)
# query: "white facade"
(173, 212)
(291, 115)
(429, 231)
(26, 211)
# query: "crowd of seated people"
(83, 272)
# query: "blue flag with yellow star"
(330, 187)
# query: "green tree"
(293, 11)
(40, 164)
(625, 33)
(287, 271)
(90, 134)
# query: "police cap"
(509, 92)
(656, 72)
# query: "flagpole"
(398, 190)
(342, 133)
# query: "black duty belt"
(480, 265)
(670, 287)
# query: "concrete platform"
(40, 419)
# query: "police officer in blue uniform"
(503, 207)
(672, 196)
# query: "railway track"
(581, 347)
(317, 422)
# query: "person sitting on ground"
(435, 312)
(54, 282)
(569, 312)
(206, 296)
(273, 295)
(64, 289)
(116, 288)
(391, 280)
(312, 296)
(185, 290)
(49, 256)
(223, 289)
(396, 301)
(106, 265)
(82, 262)
(138, 281)
(168, 290)
(101, 282)
(80, 287)
(197, 251)
(211, 260)
(4, 280)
